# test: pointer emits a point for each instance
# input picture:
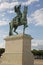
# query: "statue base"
(18, 51)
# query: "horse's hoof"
(10, 34)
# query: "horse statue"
(20, 19)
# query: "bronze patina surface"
(20, 19)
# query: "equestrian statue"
(20, 19)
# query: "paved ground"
(38, 62)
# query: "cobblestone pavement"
(38, 62)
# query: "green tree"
(2, 50)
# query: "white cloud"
(7, 5)
(37, 44)
(2, 45)
(10, 11)
(3, 34)
(28, 2)
(36, 17)
(3, 23)
(2, 14)
(14, 0)
(37, 41)
(29, 19)
(8, 0)
(34, 43)
(0, 0)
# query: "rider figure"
(19, 14)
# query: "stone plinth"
(18, 50)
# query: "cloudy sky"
(34, 19)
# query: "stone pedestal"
(18, 50)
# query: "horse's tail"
(9, 23)
(10, 29)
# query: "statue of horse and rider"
(20, 19)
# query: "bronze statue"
(19, 14)
(20, 19)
